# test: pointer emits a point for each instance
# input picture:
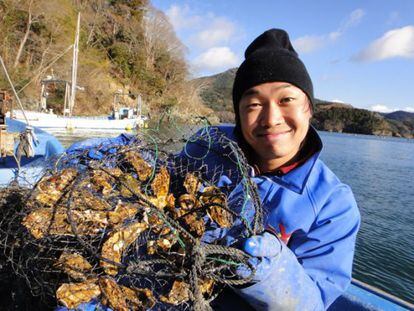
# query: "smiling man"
(274, 120)
(304, 258)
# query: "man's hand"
(264, 249)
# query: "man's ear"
(309, 106)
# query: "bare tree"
(26, 35)
(159, 36)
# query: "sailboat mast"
(74, 68)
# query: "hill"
(215, 91)
(407, 118)
(125, 45)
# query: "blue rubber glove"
(265, 250)
(92, 305)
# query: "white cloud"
(308, 44)
(386, 109)
(337, 101)
(181, 17)
(311, 43)
(216, 58)
(398, 42)
(381, 108)
(354, 19)
(219, 31)
(207, 29)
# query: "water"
(69, 137)
(381, 173)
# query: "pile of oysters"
(118, 216)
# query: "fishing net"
(152, 223)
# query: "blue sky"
(357, 52)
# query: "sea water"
(380, 172)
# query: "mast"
(74, 68)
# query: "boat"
(47, 121)
(361, 296)
(121, 118)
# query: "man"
(304, 257)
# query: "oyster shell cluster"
(119, 210)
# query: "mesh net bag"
(134, 226)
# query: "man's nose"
(271, 115)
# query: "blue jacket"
(311, 211)
(317, 216)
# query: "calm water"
(381, 173)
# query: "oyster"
(102, 182)
(195, 224)
(167, 241)
(158, 225)
(83, 199)
(215, 199)
(50, 189)
(74, 265)
(128, 184)
(113, 296)
(117, 242)
(122, 298)
(139, 298)
(164, 243)
(160, 185)
(143, 169)
(192, 184)
(206, 286)
(179, 293)
(46, 221)
(170, 201)
(122, 212)
(188, 202)
(71, 295)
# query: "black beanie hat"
(270, 58)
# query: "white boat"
(48, 121)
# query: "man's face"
(274, 120)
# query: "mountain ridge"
(216, 93)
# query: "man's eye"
(287, 100)
(253, 105)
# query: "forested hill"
(328, 116)
(125, 45)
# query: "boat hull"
(51, 121)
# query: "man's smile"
(273, 135)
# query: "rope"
(14, 91)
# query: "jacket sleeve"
(317, 266)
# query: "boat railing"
(383, 294)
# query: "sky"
(356, 52)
